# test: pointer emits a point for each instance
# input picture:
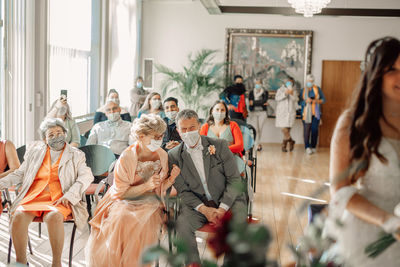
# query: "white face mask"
(171, 114)
(62, 111)
(155, 103)
(154, 145)
(113, 116)
(218, 116)
(190, 138)
(115, 100)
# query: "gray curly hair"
(50, 123)
(148, 124)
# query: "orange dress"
(45, 190)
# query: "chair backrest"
(21, 153)
(98, 158)
(82, 141)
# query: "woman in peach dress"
(128, 218)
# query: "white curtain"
(13, 97)
(122, 47)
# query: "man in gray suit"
(207, 184)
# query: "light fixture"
(308, 7)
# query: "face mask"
(154, 145)
(289, 85)
(115, 100)
(62, 111)
(139, 84)
(258, 86)
(191, 138)
(171, 115)
(155, 103)
(218, 116)
(309, 84)
(113, 116)
(56, 143)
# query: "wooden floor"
(286, 182)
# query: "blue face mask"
(288, 84)
(309, 84)
(258, 86)
(139, 84)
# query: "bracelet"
(391, 225)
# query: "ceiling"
(371, 8)
(381, 4)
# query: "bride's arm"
(340, 179)
(138, 190)
(171, 179)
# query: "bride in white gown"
(365, 162)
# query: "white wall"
(173, 29)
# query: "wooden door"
(339, 79)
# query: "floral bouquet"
(387, 239)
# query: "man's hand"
(210, 213)
(309, 100)
(251, 102)
(62, 200)
(220, 213)
(171, 144)
(231, 107)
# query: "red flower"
(217, 240)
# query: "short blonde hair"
(148, 124)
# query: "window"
(74, 53)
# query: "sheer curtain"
(70, 54)
(122, 47)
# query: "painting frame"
(254, 53)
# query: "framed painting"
(270, 55)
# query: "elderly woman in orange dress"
(129, 217)
(53, 179)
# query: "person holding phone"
(60, 109)
(311, 98)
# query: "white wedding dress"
(381, 186)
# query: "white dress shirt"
(196, 155)
(114, 135)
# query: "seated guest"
(171, 136)
(100, 114)
(8, 158)
(60, 109)
(138, 96)
(207, 183)
(128, 218)
(219, 125)
(54, 176)
(152, 105)
(112, 133)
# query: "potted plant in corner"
(198, 81)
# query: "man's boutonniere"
(211, 150)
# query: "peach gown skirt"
(123, 229)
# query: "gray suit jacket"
(221, 172)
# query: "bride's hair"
(366, 107)
(148, 124)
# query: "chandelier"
(308, 7)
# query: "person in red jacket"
(219, 125)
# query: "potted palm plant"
(197, 83)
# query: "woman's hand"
(174, 173)
(62, 200)
(154, 181)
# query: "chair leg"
(9, 251)
(30, 246)
(89, 205)
(71, 246)
(255, 174)
(40, 230)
